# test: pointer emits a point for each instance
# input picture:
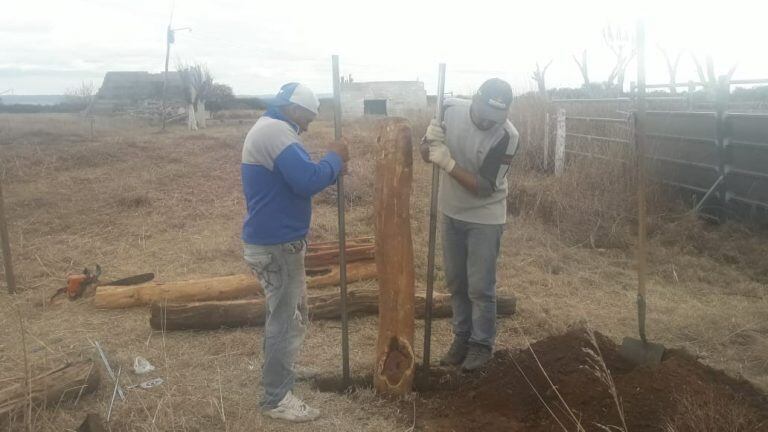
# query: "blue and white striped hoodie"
(279, 180)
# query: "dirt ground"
(542, 388)
(135, 200)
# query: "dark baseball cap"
(493, 99)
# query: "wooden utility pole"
(168, 41)
(395, 361)
(170, 37)
(10, 279)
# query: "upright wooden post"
(395, 362)
(10, 279)
(722, 93)
(560, 143)
(545, 165)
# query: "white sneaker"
(293, 409)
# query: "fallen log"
(250, 312)
(395, 362)
(67, 382)
(217, 288)
(328, 257)
(334, 244)
(356, 272)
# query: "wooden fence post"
(10, 279)
(545, 165)
(395, 362)
(691, 91)
(560, 143)
(722, 93)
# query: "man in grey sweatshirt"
(474, 148)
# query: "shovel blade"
(641, 353)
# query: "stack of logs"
(237, 301)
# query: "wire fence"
(717, 155)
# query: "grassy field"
(136, 200)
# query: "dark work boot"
(477, 356)
(456, 353)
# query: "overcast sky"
(47, 47)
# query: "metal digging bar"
(342, 229)
(433, 228)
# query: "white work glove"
(435, 132)
(440, 155)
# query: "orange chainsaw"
(78, 283)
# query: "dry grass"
(135, 200)
(712, 413)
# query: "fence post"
(691, 91)
(722, 93)
(546, 141)
(10, 279)
(560, 143)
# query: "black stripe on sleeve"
(496, 157)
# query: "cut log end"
(398, 362)
(67, 382)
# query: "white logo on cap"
(496, 104)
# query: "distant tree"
(671, 67)
(221, 97)
(583, 67)
(710, 78)
(82, 96)
(539, 77)
(619, 42)
(197, 82)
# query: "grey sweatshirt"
(485, 153)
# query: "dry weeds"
(135, 200)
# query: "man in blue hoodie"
(279, 180)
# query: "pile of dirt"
(679, 395)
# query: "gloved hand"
(440, 155)
(341, 148)
(435, 132)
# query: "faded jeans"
(470, 252)
(280, 269)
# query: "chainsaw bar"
(131, 280)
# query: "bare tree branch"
(539, 76)
(583, 67)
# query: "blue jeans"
(280, 269)
(470, 252)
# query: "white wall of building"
(404, 98)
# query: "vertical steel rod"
(433, 228)
(642, 210)
(342, 227)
